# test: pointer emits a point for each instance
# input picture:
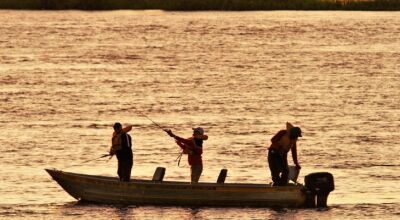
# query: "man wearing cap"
(193, 147)
(122, 147)
(283, 142)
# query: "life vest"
(121, 142)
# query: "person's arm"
(294, 155)
(169, 132)
(186, 145)
(177, 138)
(115, 144)
(127, 129)
(181, 142)
(288, 126)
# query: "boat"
(109, 190)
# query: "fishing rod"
(165, 130)
(153, 122)
(102, 156)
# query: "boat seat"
(159, 174)
(222, 176)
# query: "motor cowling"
(318, 185)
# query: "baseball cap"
(198, 130)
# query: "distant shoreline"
(203, 5)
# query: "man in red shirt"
(193, 147)
(283, 142)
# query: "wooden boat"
(110, 190)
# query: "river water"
(67, 76)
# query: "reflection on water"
(152, 212)
(67, 76)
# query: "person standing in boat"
(283, 142)
(122, 147)
(193, 147)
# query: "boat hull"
(109, 190)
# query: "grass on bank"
(187, 5)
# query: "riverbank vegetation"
(191, 5)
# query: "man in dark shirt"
(283, 142)
(122, 147)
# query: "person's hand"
(111, 152)
(298, 166)
(169, 132)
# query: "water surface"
(67, 76)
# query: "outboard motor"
(318, 185)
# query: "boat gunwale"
(169, 183)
